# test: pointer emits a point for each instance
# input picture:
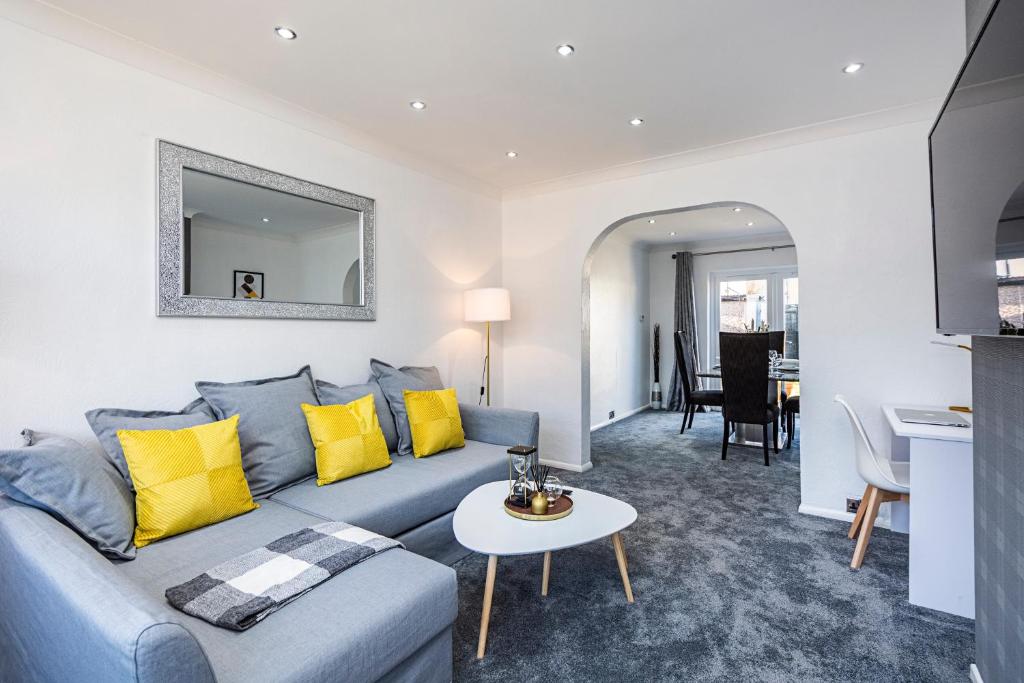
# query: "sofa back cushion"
(332, 394)
(276, 448)
(106, 422)
(75, 485)
(393, 382)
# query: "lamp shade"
(489, 304)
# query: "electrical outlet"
(611, 414)
(853, 504)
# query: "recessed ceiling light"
(651, 221)
(671, 234)
(286, 33)
(418, 105)
(265, 219)
(736, 209)
(853, 68)
(750, 224)
(565, 50)
(636, 122)
(511, 154)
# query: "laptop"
(941, 418)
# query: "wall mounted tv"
(977, 165)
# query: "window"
(746, 300)
(1010, 279)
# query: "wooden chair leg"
(725, 436)
(859, 517)
(686, 408)
(693, 410)
(764, 442)
(868, 523)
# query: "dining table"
(751, 435)
(777, 375)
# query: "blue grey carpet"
(731, 582)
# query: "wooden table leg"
(620, 556)
(485, 616)
(546, 575)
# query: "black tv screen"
(977, 164)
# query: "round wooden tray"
(561, 508)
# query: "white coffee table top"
(481, 523)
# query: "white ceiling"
(699, 225)
(700, 73)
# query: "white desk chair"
(887, 482)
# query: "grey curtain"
(686, 321)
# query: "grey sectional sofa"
(68, 613)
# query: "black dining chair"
(744, 360)
(692, 398)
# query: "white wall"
(663, 283)
(857, 207)
(620, 347)
(78, 328)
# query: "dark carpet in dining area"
(731, 582)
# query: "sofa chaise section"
(71, 614)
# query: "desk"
(941, 511)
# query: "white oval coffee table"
(482, 525)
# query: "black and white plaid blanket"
(240, 592)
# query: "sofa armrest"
(67, 615)
(500, 426)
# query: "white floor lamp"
(487, 305)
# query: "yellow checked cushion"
(434, 421)
(185, 478)
(347, 438)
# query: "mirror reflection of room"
(1010, 265)
(248, 242)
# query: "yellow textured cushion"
(434, 421)
(185, 478)
(347, 438)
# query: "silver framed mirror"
(239, 241)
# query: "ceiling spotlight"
(418, 105)
(286, 33)
(265, 219)
(853, 68)
(736, 209)
(750, 224)
(671, 234)
(565, 50)
(651, 221)
(511, 154)
(636, 122)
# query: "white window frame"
(776, 306)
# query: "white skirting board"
(566, 466)
(975, 674)
(841, 515)
(628, 413)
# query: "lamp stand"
(487, 362)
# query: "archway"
(736, 245)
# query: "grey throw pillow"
(105, 422)
(276, 447)
(332, 394)
(393, 381)
(75, 485)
